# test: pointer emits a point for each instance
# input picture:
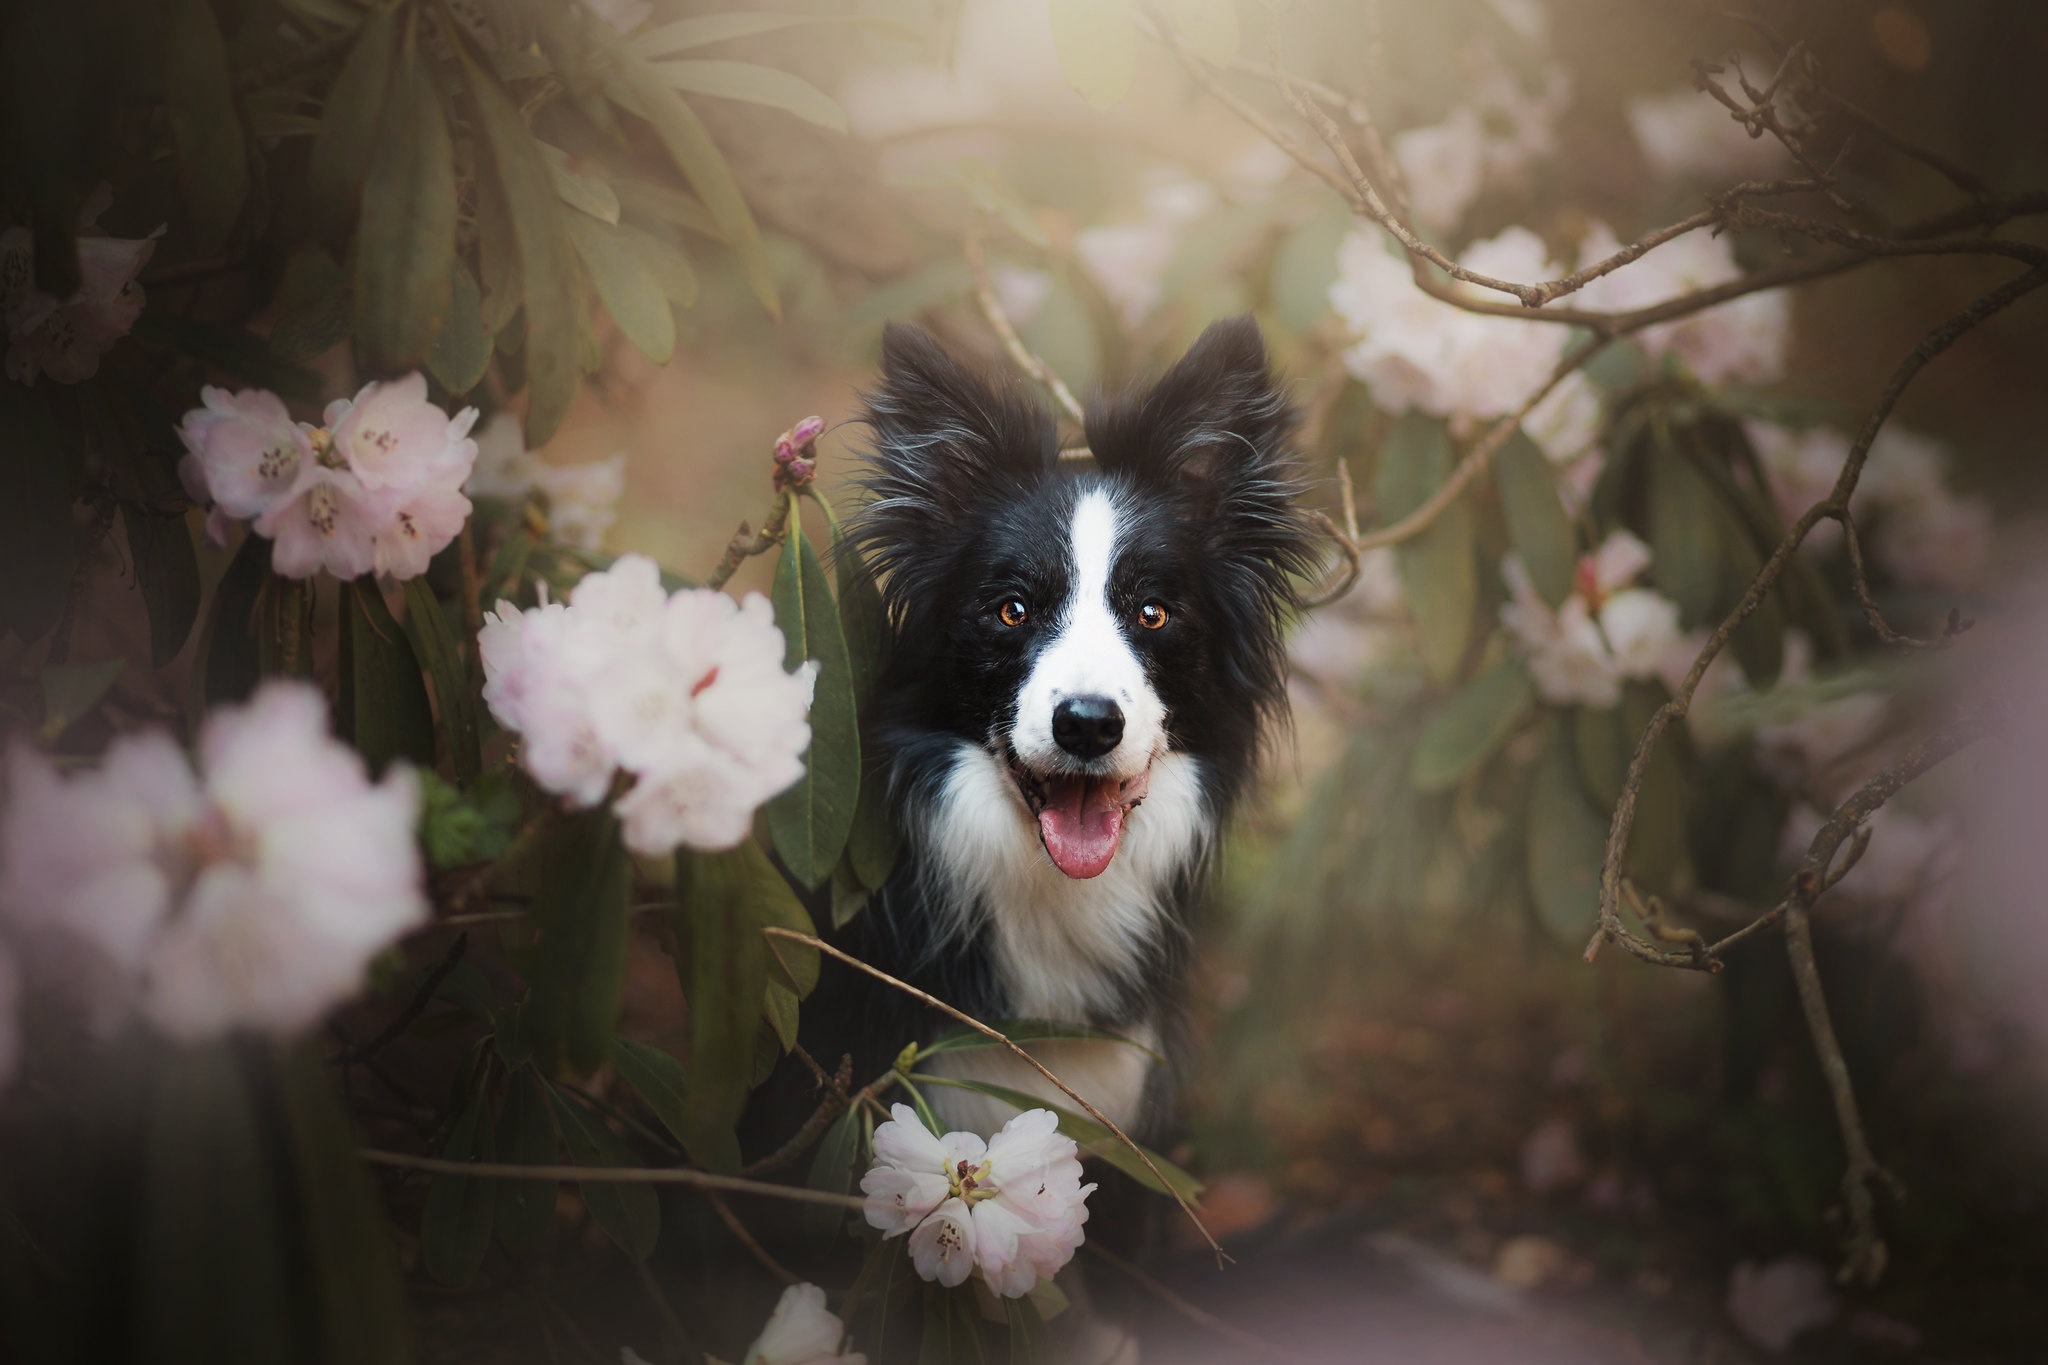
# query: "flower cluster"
(64, 338)
(583, 499)
(1502, 130)
(1603, 633)
(1744, 339)
(1010, 1208)
(250, 893)
(1686, 134)
(378, 488)
(687, 693)
(796, 455)
(801, 1331)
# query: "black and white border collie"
(1086, 655)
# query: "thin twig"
(1859, 580)
(746, 543)
(999, 323)
(812, 941)
(837, 1099)
(747, 1239)
(413, 1008)
(614, 1175)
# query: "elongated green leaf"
(1470, 726)
(232, 665)
(1685, 534)
(631, 294)
(832, 1170)
(213, 157)
(1538, 528)
(1094, 1139)
(355, 111)
(641, 88)
(1566, 838)
(683, 35)
(1658, 857)
(462, 352)
(384, 710)
(526, 1136)
(756, 85)
(497, 257)
(664, 261)
(211, 1267)
(1097, 41)
(579, 187)
(811, 820)
(405, 237)
(550, 288)
(362, 1314)
(233, 350)
(1602, 744)
(661, 204)
(167, 573)
(71, 691)
(434, 645)
(661, 1081)
(455, 1228)
(727, 973)
(1439, 567)
(628, 1214)
(316, 314)
(581, 902)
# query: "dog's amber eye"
(1151, 616)
(1014, 612)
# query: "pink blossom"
(251, 893)
(1686, 134)
(328, 524)
(64, 338)
(243, 449)
(801, 1331)
(583, 499)
(1603, 632)
(1745, 339)
(393, 437)
(1772, 1304)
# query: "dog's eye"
(1151, 616)
(1014, 612)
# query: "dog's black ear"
(948, 437)
(1219, 430)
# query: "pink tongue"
(1080, 823)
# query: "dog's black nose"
(1087, 727)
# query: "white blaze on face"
(1090, 656)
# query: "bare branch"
(999, 323)
(614, 1175)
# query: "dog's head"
(1081, 618)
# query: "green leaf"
(642, 89)
(810, 821)
(727, 962)
(664, 262)
(1603, 746)
(1470, 726)
(230, 647)
(1538, 528)
(631, 294)
(663, 204)
(1658, 860)
(1685, 533)
(552, 292)
(1439, 567)
(1209, 26)
(756, 85)
(199, 102)
(660, 1080)
(1094, 1139)
(832, 1171)
(71, 691)
(497, 257)
(233, 350)
(581, 901)
(1566, 839)
(38, 482)
(211, 1265)
(455, 1227)
(462, 352)
(355, 111)
(580, 189)
(469, 990)
(629, 1214)
(360, 1300)
(683, 35)
(316, 305)
(1097, 42)
(1304, 268)
(964, 1039)
(526, 1136)
(405, 237)
(434, 645)
(167, 574)
(384, 710)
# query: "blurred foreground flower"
(685, 692)
(64, 338)
(1602, 633)
(1500, 132)
(1745, 339)
(377, 489)
(1686, 134)
(1772, 1304)
(249, 894)
(1011, 1208)
(583, 499)
(801, 1331)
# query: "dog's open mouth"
(1080, 817)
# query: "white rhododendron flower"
(801, 1331)
(1418, 352)
(1500, 132)
(1128, 261)
(583, 499)
(377, 489)
(686, 693)
(248, 893)
(1603, 633)
(64, 338)
(1444, 165)
(1772, 1304)
(1010, 1209)
(1744, 339)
